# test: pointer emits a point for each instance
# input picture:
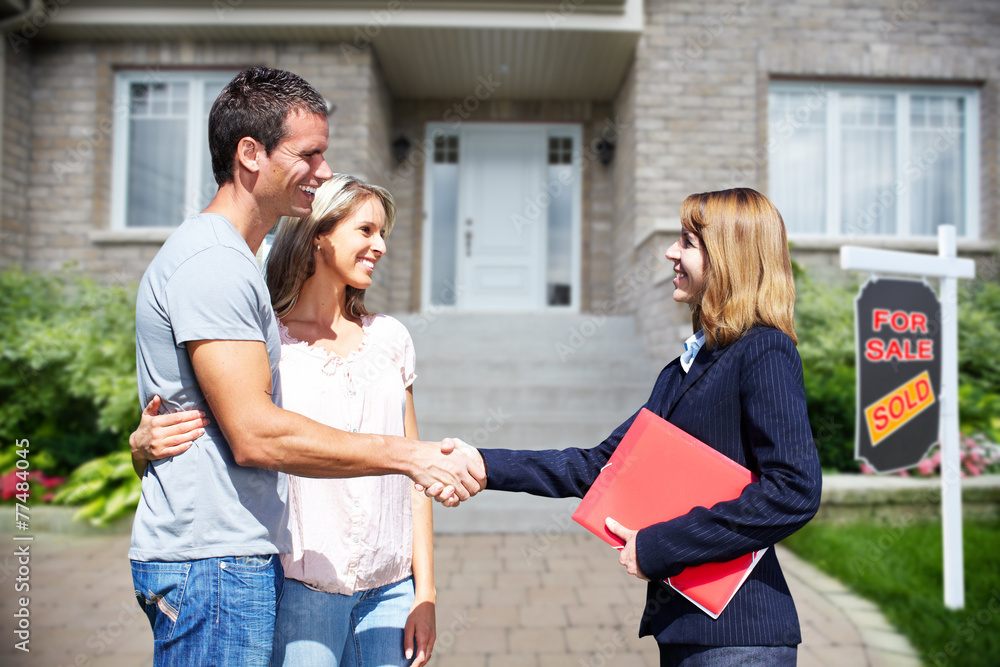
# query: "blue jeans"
(213, 611)
(690, 655)
(317, 629)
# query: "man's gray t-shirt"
(203, 284)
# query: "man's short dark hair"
(255, 104)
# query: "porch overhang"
(531, 50)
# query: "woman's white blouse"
(350, 534)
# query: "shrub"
(67, 368)
(824, 321)
(106, 488)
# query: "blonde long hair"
(747, 266)
(292, 259)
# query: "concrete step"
(548, 326)
(526, 382)
(518, 400)
(498, 428)
(593, 350)
(438, 371)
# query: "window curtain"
(797, 161)
(868, 164)
(936, 164)
(157, 154)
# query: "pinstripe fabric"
(748, 402)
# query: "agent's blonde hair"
(292, 259)
(748, 271)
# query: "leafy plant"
(824, 322)
(979, 353)
(106, 487)
(67, 369)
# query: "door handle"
(468, 243)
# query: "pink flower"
(8, 485)
(48, 482)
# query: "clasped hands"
(461, 461)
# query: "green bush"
(105, 488)
(67, 368)
(979, 336)
(824, 321)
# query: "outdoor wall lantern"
(605, 151)
(400, 148)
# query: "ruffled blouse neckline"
(322, 352)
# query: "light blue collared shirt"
(691, 347)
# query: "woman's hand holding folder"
(627, 556)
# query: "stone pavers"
(558, 600)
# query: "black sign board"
(898, 324)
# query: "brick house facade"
(684, 99)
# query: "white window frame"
(197, 144)
(903, 93)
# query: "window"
(444, 222)
(162, 166)
(872, 160)
(559, 228)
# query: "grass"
(897, 565)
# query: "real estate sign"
(899, 372)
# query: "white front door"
(500, 258)
(502, 223)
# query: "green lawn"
(897, 565)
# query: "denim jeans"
(213, 611)
(690, 655)
(317, 629)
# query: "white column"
(951, 482)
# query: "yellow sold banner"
(899, 406)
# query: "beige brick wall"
(690, 116)
(16, 156)
(68, 188)
(391, 279)
(702, 71)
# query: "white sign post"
(949, 268)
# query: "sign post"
(949, 268)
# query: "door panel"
(501, 246)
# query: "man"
(210, 523)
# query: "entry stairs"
(524, 382)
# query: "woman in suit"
(738, 388)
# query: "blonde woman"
(359, 582)
(738, 388)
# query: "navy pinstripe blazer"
(746, 400)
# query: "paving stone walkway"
(503, 599)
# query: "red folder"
(658, 473)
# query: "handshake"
(450, 475)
